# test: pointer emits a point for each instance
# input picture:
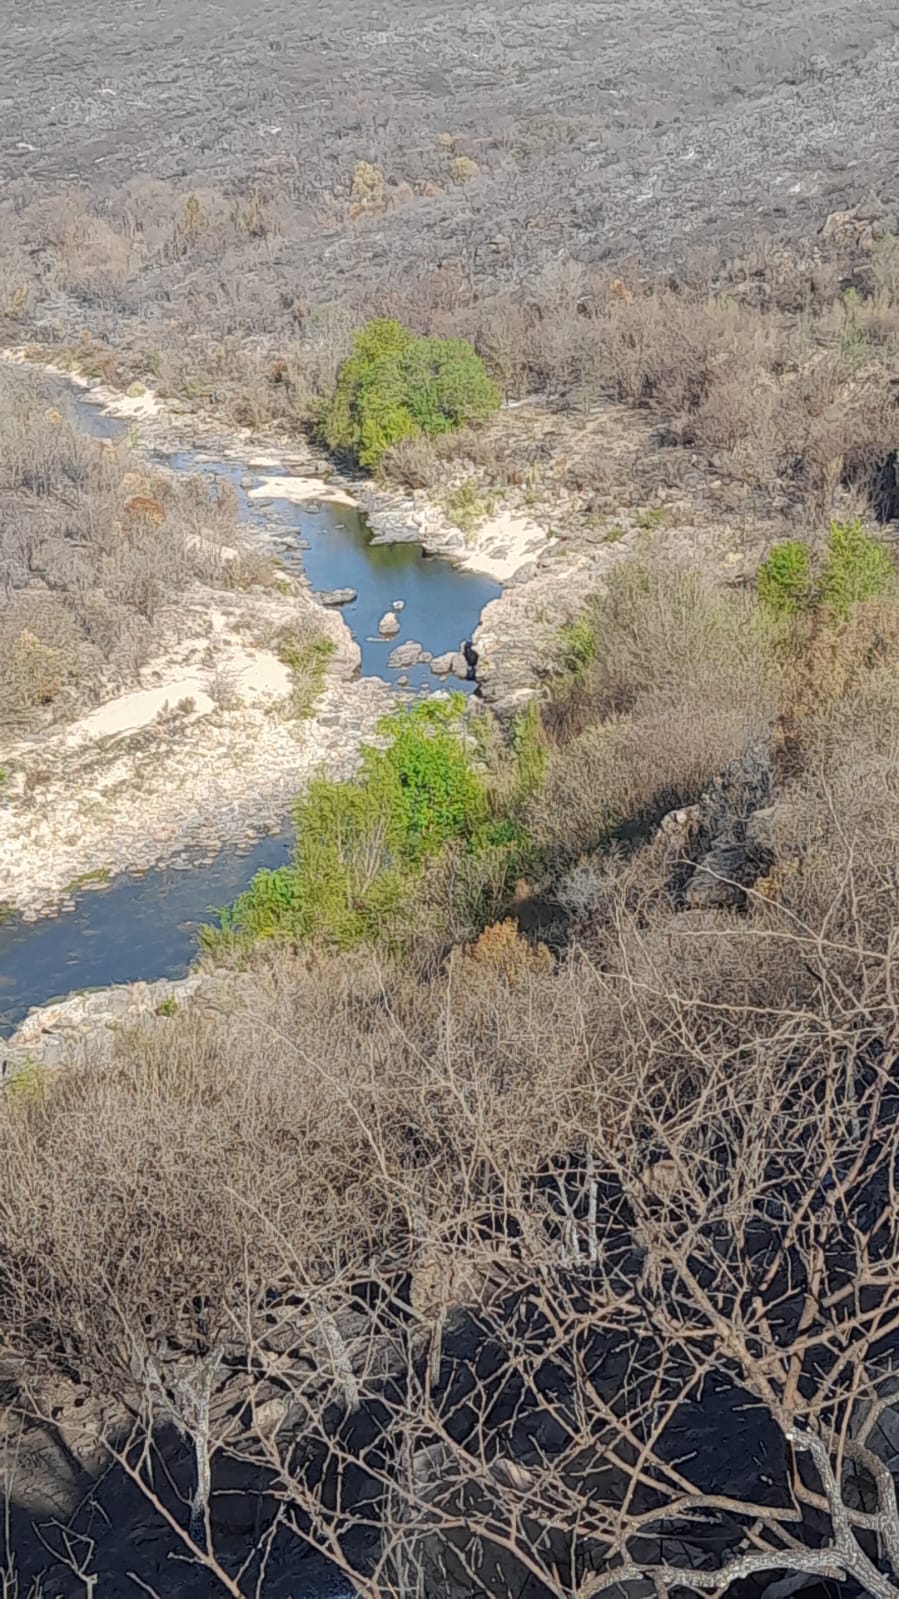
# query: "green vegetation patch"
(364, 846)
(785, 578)
(578, 646)
(307, 660)
(100, 874)
(468, 506)
(856, 567)
(395, 386)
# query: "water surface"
(144, 928)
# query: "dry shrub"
(145, 508)
(462, 169)
(508, 954)
(677, 688)
(739, 410)
(16, 286)
(228, 1139)
(96, 261)
(414, 463)
(440, 1183)
(91, 550)
(506, 340)
(39, 452)
(662, 626)
(367, 187)
(659, 756)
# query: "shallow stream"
(145, 927)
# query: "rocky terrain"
(605, 128)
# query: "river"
(146, 927)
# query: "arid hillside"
(504, 132)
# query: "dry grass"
(679, 686)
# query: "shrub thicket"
(857, 568)
(93, 547)
(363, 846)
(395, 387)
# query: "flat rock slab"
(409, 654)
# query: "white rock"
(388, 625)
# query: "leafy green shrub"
(857, 568)
(785, 578)
(395, 386)
(579, 646)
(363, 846)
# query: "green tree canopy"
(395, 386)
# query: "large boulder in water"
(453, 664)
(408, 654)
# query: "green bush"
(579, 646)
(363, 846)
(395, 386)
(530, 750)
(785, 578)
(857, 568)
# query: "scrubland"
(520, 1220)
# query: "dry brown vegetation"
(499, 1270)
(775, 371)
(579, 1158)
(679, 687)
(535, 1274)
(93, 547)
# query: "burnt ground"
(601, 128)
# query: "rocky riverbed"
(208, 746)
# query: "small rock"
(681, 826)
(718, 878)
(246, 482)
(402, 682)
(388, 625)
(334, 597)
(399, 605)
